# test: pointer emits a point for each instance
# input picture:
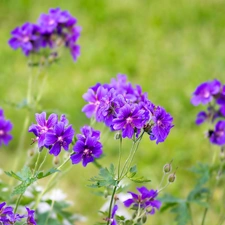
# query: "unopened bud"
(172, 177)
(222, 155)
(167, 168)
(134, 215)
(56, 161)
(117, 136)
(144, 219)
(31, 152)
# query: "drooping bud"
(56, 161)
(144, 219)
(222, 154)
(168, 167)
(117, 136)
(31, 152)
(172, 177)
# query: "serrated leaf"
(22, 175)
(105, 178)
(21, 188)
(41, 175)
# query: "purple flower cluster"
(88, 146)
(8, 217)
(213, 94)
(51, 133)
(127, 109)
(55, 29)
(145, 200)
(5, 127)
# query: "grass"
(166, 47)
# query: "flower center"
(51, 22)
(159, 122)
(129, 120)
(206, 94)
(60, 139)
(220, 133)
(1, 132)
(25, 39)
(87, 152)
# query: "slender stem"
(52, 204)
(204, 216)
(119, 160)
(18, 202)
(189, 208)
(48, 186)
(125, 164)
(111, 202)
(36, 163)
(43, 161)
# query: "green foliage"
(137, 179)
(198, 195)
(27, 178)
(105, 178)
(59, 209)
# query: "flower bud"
(144, 219)
(167, 168)
(117, 136)
(56, 161)
(31, 152)
(172, 177)
(222, 155)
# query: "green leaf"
(21, 188)
(182, 213)
(199, 196)
(139, 179)
(41, 175)
(169, 202)
(23, 175)
(203, 173)
(105, 178)
(132, 172)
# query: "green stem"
(49, 184)
(18, 202)
(36, 163)
(119, 160)
(52, 204)
(43, 161)
(111, 202)
(189, 208)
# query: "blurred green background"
(168, 47)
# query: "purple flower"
(205, 91)
(162, 125)
(24, 38)
(5, 127)
(145, 200)
(30, 217)
(113, 221)
(87, 147)
(61, 136)
(93, 97)
(201, 117)
(1, 113)
(7, 217)
(129, 118)
(43, 126)
(218, 135)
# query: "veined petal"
(55, 150)
(41, 118)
